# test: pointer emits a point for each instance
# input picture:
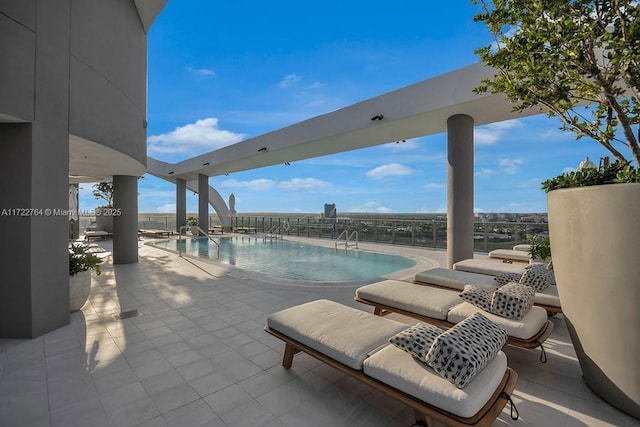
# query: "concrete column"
(34, 159)
(125, 220)
(459, 188)
(181, 203)
(203, 202)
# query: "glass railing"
(430, 233)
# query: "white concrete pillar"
(125, 219)
(181, 203)
(459, 188)
(203, 202)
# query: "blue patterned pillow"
(460, 353)
(477, 296)
(537, 276)
(512, 301)
(417, 339)
(504, 278)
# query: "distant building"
(330, 210)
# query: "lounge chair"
(510, 255)
(445, 308)
(357, 344)
(491, 267)
(457, 279)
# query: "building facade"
(72, 109)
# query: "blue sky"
(221, 72)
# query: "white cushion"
(524, 247)
(548, 297)
(342, 333)
(398, 369)
(424, 300)
(455, 279)
(509, 254)
(524, 329)
(490, 267)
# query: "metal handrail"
(347, 238)
(273, 232)
(185, 227)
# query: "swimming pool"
(292, 260)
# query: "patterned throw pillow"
(461, 352)
(477, 296)
(536, 276)
(417, 339)
(505, 278)
(512, 301)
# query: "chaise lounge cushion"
(410, 297)
(417, 339)
(398, 369)
(523, 329)
(454, 279)
(463, 351)
(343, 333)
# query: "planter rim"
(591, 187)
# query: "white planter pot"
(79, 289)
(595, 239)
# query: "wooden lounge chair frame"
(425, 414)
(533, 342)
(551, 309)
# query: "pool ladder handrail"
(273, 232)
(200, 230)
(347, 238)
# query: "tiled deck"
(198, 356)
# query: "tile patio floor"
(198, 356)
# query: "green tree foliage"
(104, 191)
(578, 60)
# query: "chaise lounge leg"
(377, 311)
(422, 419)
(289, 352)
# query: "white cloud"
(510, 166)
(297, 184)
(484, 172)
(317, 85)
(201, 71)
(201, 136)
(392, 169)
(289, 80)
(261, 184)
(374, 207)
(168, 208)
(435, 186)
(491, 133)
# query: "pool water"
(293, 260)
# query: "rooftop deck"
(198, 356)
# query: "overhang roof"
(416, 110)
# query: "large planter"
(595, 239)
(79, 289)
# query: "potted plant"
(81, 262)
(104, 191)
(193, 222)
(539, 248)
(578, 61)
